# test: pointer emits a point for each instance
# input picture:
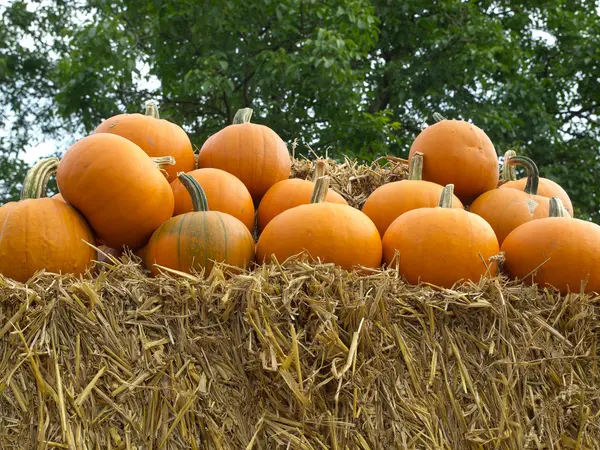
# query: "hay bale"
(298, 356)
(355, 181)
(303, 356)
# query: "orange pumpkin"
(58, 197)
(546, 188)
(253, 153)
(442, 245)
(42, 233)
(457, 152)
(225, 193)
(157, 137)
(506, 209)
(195, 240)
(117, 187)
(390, 201)
(331, 232)
(556, 251)
(290, 193)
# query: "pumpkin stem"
(447, 196)
(533, 174)
(152, 110)
(320, 191)
(508, 172)
(242, 116)
(557, 209)
(199, 200)
(415, 168)
(319, 170)
(438, 117)
(36, 180)
(163, 161)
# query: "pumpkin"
(441, 245)
(506, 209)
(331, 232)
(156, 136)
(290, 193)
(117, 187)
(546, 188)
(388, 202)
(557, 251)
(459, 153)
(58, 197)
(198, 239)
(42, 233)
(225, 193)
(253, 153)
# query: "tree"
(354, 77)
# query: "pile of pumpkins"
(135, 184)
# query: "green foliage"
(355, 77)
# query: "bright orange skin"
(253, 153)
(224, 192)
(457, 152)
(157, 137)
(566, 250)
(390, 201)
(506, 209)
(287, 194)
(45, 234)
(117, 187)
(441, 246)
(195, 240)
(58, 197)
(332, 232)
(547, 188)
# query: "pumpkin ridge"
(181, 222)
(224, 233)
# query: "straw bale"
(301, 356)
(298, 355)
(353, 180)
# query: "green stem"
(199, 201)
(438, 117)
(557, 209)
(319, 170)
(242, 116)
(415, 168)
(152, 110)
(36, 180)
(320, 191)
(533, 174)
(447, 196)
(508, 172)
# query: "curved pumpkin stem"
(447, 196)
(320, 170)
(557, 209)
(199, 200)
(36, 180)
(242, 116)
(438, 117)
(415, 168)
(319, 193)
(163, 161)
(508, 172)
(152, 110)
(533, 174)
